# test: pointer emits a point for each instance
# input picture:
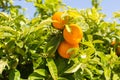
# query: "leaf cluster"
(28, 48)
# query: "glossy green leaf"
(52, 45)
(38, 74)
(52, 68)
(14, 75)
(7, 29)
(74, 68)
(44, 22)
(98, 41)
(35, 76)
(30, 45)
(4, 15)
(41, 72)
(89, 44)
(107, 73)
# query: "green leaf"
(107, 73)
(10, 45)
(19, 44)
(4, 35)
(35, 76)
(41, 72)
(89, 51)
(4, 15)
(14, 75)
(3, 64)
(52, 68)
(64, 63)
(116, 14)
(96, 3)
(90, 37)
(103, 25)
(62, 78)
(35, 20)
(89, 72)
(89, 44)
(78, 75)
(52, 46)
(38, 74)
(98, 41)
(37, 62)
(74, 68)
(20, 50)
(115, 77)
(7, 29)
(44, 22)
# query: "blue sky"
(108, 6)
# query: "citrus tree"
(58, 43)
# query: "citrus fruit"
(64, 48)
(73, 36)
(113, 42)
(58, 21)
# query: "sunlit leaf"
(44, 22)
(35, 76)
(74, 68)
(41, 72)
(52, 68)
(19, 44)
(14, 75)
(98, 41)
(4, 15)
(115, 77)
(7, 29)
(73, 13)
(107, 73)
(89, 44)
(3, 64)
(116, 14)
(89, 72)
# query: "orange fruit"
(58, 22)
(64, 47)
(74, 36)
(113, 42)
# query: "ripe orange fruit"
(64, 47)
(74, 36)
(58, 22)
(113, 42)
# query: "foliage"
(28, 48)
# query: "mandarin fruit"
(64, 47)
(113, 42)
(58, 22)
(74, 36)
